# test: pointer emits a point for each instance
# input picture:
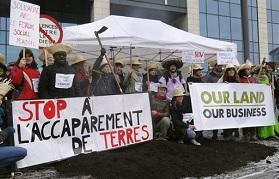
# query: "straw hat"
(42, 55)
(120, 61)
(162, 85)
(173, 61)
(179, 92)
(103, 63)
(136, 61)
(5, 87)
(244, 66)
(230, 66)
(197, 67)
(79, 58)
(59, 48)
(2, 58)
(151, 66)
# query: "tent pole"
(148, 80)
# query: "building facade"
(219, 19)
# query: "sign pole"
(45, 53)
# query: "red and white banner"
(56, 129)
(24, 24)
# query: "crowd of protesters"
(169, 93)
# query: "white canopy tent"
(147, 39)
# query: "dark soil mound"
(162, 159)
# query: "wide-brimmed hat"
(42, 55)
(230, 66)
(59, 48)
(162, 85)
(136, 61)
(244, 66)
(178, 92)
(79, 58)
(151, 66)
(2, 58)
(103, 63)
(120, 61)
(197, 67)
(172, 61)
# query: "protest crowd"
(168, 90)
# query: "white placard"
(154, 86)
(138, 86)
(24, 24)
(191, 56)
(64, 81)
(56, 129)
(225, 57)
(222, 106)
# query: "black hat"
(172, 61)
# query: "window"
(203, 26)
(202, 6)
(213, 26)
(236, 29)
(212, 6)
(235, 10)
(275, 4)
(224, 8)
(225, 29)
(275, 30)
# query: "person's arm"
(98, 62)
(175, 118)
(17, 75)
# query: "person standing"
(245, 76)
(153, 79)
(25, 76)
(172, 77)
(212, 77)
(82, 74)
(230, 76)
(103, 81)
(59, 80)
(118, 66)
(133, 79)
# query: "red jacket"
(26, 82)
(249, 79)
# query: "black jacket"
(47, 87)
(177, 116)
(102, 84)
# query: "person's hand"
(130, 71)
(191, 126)
(147, 83)
(103, 51)
(155, 113)
(190, 83)
(22, 63)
